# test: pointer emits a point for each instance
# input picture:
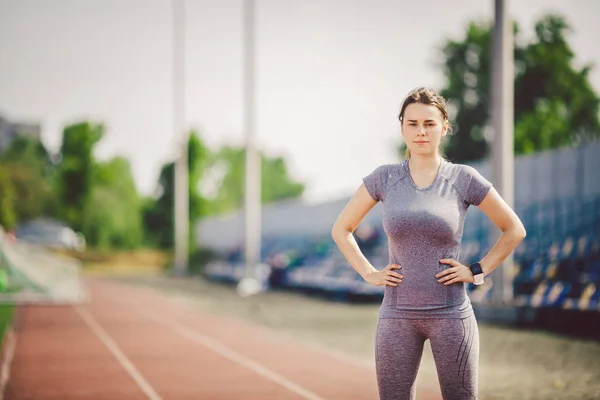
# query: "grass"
(6, 315)
(142, 261)
(122, 262)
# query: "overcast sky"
(330, 74)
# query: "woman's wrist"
(367, 271)
(485, 268)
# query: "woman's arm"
(342, 233)
(513, 231)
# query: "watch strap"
(477, 272)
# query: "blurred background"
(92, 129)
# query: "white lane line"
(232, 355)
(114, 349)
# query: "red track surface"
(131, 343)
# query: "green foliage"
(97, 198)
(8, 215)
(7, 312)
(32, 191)
(199, 160)
(555, 104)
(229, 195)
(100, 199)
(276, 182)
(114, 217)
(27, 151)
(26, 191)
(467, 71)
(216, 187)
(159, 214)
(75, 175)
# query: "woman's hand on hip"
(456, 273)
(386, 277)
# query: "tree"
(8, 216)
(199, 160)
(227, 176)
(27, 166)
(216, 188)
(97, 198)
(276, 183)
(555, 104)
(158, 214)
(467, 70)
(26, 150)
(75, 175)
(114, 214)
(33, 195)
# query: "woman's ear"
(445, 128)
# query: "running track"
(134, 343)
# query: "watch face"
(476, 268)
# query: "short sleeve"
(477, 186)
(374, 182)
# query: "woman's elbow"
(519, 231)
(523, 233)
(338, 233)
(515, 230)
(335, 233)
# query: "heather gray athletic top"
(424, 225)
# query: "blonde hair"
(428, 97)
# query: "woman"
(425, 200)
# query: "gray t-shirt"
(424, 225)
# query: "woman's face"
(423, 127)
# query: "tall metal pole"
(181, 190)
(503, 143)
(253, 167)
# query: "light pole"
(181, 189)
(252, 200)
(502, 110)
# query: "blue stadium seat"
(557, 265)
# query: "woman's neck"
(420, 163)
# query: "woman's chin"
(422, 151)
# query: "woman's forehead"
(418, 111)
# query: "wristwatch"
(477, 273)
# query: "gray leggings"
(455, 346)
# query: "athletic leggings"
(455, 346)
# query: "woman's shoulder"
(469, 182)
(379, 180)
(390, 171)
(459, 172)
